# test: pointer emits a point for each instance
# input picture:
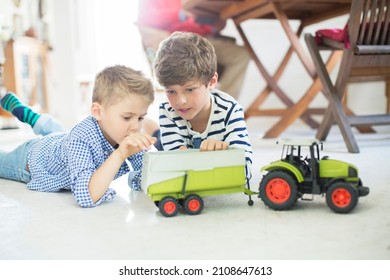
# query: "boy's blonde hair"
(116, 82)
(184, 57)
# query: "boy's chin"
(186, 117)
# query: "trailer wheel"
(168, 206)
(342, 197)
(278, 190)
(193, 204)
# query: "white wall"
(88, 36)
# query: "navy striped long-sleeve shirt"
(226, 123)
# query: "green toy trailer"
(293, 176)
(181, 178)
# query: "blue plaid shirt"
(66, 161)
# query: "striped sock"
(12, 104)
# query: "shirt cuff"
(109, 195)
(134, 180)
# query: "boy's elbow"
(85, 201)
(85, 204)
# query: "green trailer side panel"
(219, 180)
(169, 186)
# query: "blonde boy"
(89, 157)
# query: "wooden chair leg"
(342, 121)
(335, 110)
(325, 126)
(335, 113)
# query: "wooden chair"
(366, 58)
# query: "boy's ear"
(214, 81)
(96, 110)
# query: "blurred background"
(83, 37)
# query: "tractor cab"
(294, 149)
(303, 154)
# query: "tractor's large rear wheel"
(278, 190)
(342, 197)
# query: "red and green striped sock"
(12, 104)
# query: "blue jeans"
(13, 164)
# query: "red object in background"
(168, 15)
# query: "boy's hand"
(213, 145)
(135, 143)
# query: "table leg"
(271, 85)
(294, 39)
(253, 109)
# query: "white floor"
(43, 226)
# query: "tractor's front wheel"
(342, 197)
(278, 190)
(168, 206)
(193, 204)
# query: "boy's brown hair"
(116, 82)
(183, 57)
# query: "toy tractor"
(293, 176)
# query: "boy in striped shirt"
(196, 114)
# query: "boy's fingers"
(207, 146)
(142, 139)
(147, 141)
(213, 146)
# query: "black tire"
(193, 204)
(278, 190)
(168, 206)
(342, 197)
